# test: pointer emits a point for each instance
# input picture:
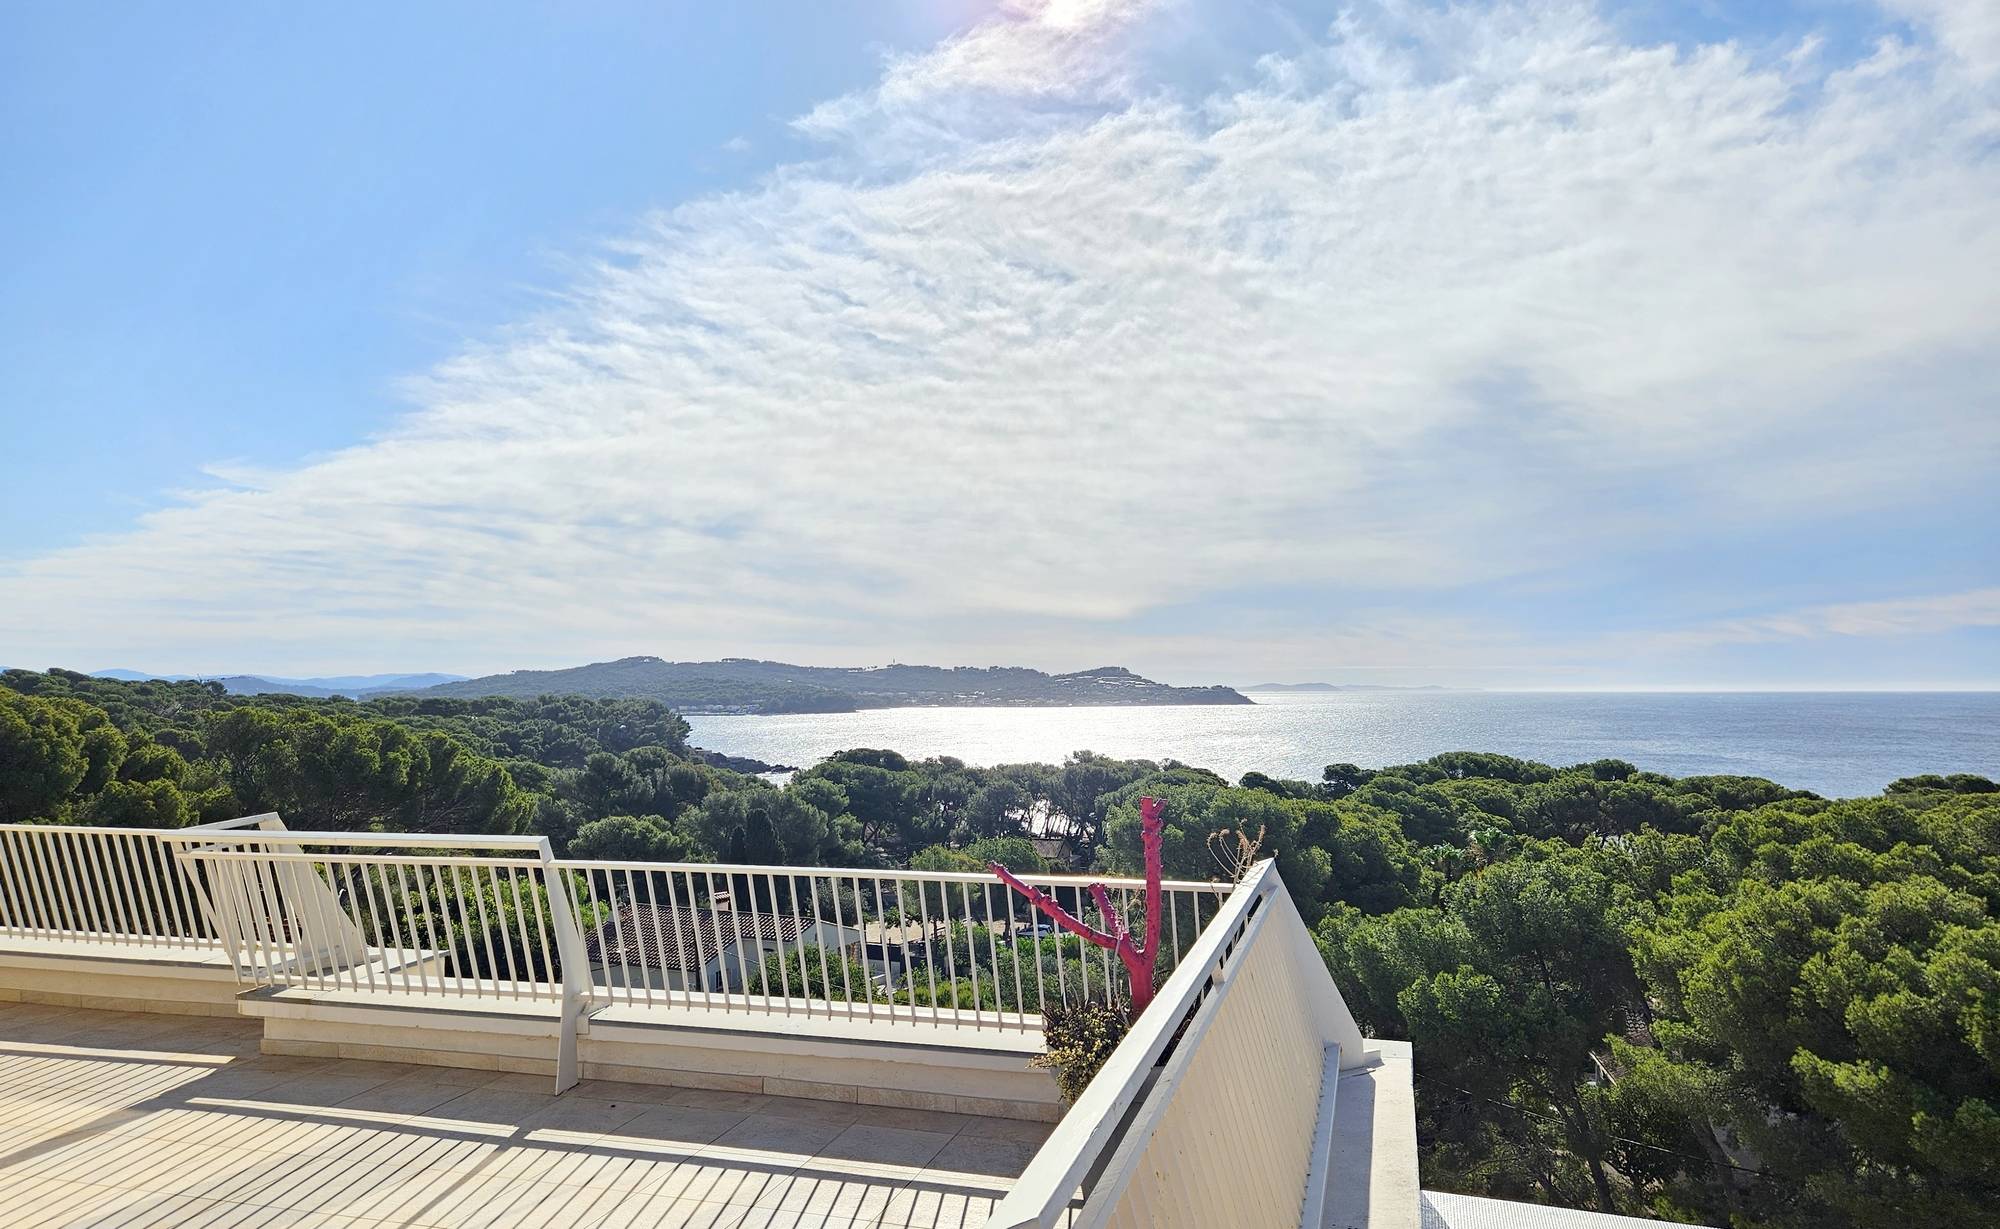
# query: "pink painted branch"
(1114, 925)
(1062, 917)
(1140, 962)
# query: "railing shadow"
(449, 1162)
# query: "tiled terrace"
(114, 1119)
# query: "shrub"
(1080, 1038)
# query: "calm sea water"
(1835, 743)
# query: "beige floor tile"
(572, 1116)
(620, 1090)
(714, 1099)
(874, 1147)
(677, 1124)
(833, 1194)
(672, 1212)
(913, 1119)
(842, 1112)
(1007, 1128)
(785, 1136)
(403, 1097)
(938, 1205)
(985, 1158)
(110, 1121)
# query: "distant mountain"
(357, 686)
(1343, 687)
(740, 685)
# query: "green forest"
(1710, 999)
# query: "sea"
(1838, 744)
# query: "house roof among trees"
(662, 938)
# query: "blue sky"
(1530, 345)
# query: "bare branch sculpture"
(1139, 958)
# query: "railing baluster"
(436, 950)
(271, 929)
(638, 937)
(1110, 975)
(321, 928)
(820, 937)
(138, 859)
(50, 885)
(597, 931)
(7, 893)
(80, 899)
(506, 937)
(1062, 976)
(485, 925)
(21, 910)
(175, 872)
(452, 935)
(346, 920)
(778, 933)
(930, 963)
(551, 977)
(819, 927)
(461, 934)
(118, 889)
(523, 964)
(151, 924)
(652, 882)
(688, 975)
(889, 979)
(44, 898)
(722, 935)
(398, 908)
(903, 939)
(1013, 945)
(28, 899)
(736, 928)
(1041, 996)
(355, 878)
(971, 956)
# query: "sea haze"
(1841, 744)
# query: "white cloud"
(1909, 616)
(1033, 50)
(1967, 29)
(1457, 296)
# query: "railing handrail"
(320, 858)
(1219, 887)
(420, 840)
(385, 840)
(92, 830)
(242, 821)
(1091, 1127)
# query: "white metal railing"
(390, 912)
(117, 886)
(499, 918)
(1217, 1107)
(404, 914)
(942, 947)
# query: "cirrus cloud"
(1442, 299)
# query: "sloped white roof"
(1443, 1211)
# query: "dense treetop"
(1706, 998)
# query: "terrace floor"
(116, 1119)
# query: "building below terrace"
(240, 1025)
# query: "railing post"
(569, 949)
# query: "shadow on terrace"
(115, 1119)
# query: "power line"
(1636, 1143)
